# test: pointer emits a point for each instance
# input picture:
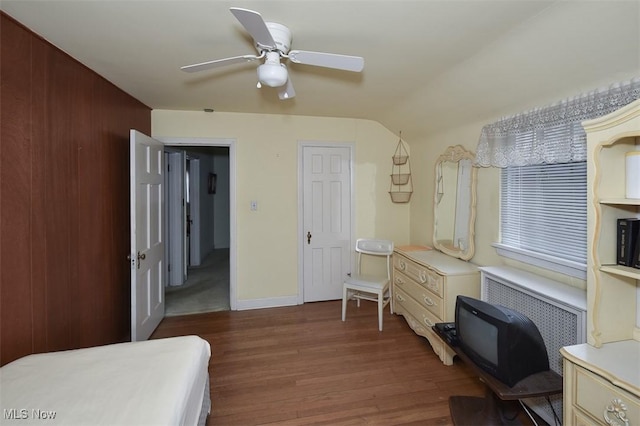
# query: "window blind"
(544, 209)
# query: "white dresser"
(602, 385)
(425, 286)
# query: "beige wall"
(267, 171)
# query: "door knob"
(141, 256)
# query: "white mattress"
(155, 382)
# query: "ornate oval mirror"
(454, 204)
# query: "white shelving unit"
(602, 377)
(612, 290)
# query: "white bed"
(155, 382)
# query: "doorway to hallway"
(204, 236)
(205, 290)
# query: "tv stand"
(479, 411)
(498, 405)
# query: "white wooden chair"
(369, 287)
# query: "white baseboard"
(270, 302)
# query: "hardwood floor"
(302, 365)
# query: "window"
(543, 216)
(543, 154)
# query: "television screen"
(501, 341)
(481, 335)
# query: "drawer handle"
(399, 297)
(428, 301)
(403, 266)
(399, 281)
(426, 321)
(423, 277)
(618, 410)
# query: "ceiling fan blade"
(219, 63)
(255, 25)
(287, 91)
(327, 60)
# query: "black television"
(503, 342)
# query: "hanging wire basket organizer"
(400, 197)
(400, 178)
(401, 174)
(399, 160)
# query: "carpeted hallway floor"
(206, 288)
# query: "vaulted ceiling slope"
(429, 64)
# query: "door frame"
(301, 232)
(231, 144)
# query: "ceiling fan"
(273, 41)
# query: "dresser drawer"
(579, 418)
(602, 400)
(421, 329)
(423, 276)
(424, 316)
(424, 297)
(425, 285)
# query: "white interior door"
(194, 212)
(176, 219)
(147, 240)
(326, 174)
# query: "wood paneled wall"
(64, 199)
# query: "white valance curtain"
(552, 134)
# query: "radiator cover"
(558, 310)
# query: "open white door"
(147, 240)
(176, 218)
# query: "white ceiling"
(429, 64)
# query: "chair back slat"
(374, 247)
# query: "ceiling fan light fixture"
(273, 75)
(273, 41)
